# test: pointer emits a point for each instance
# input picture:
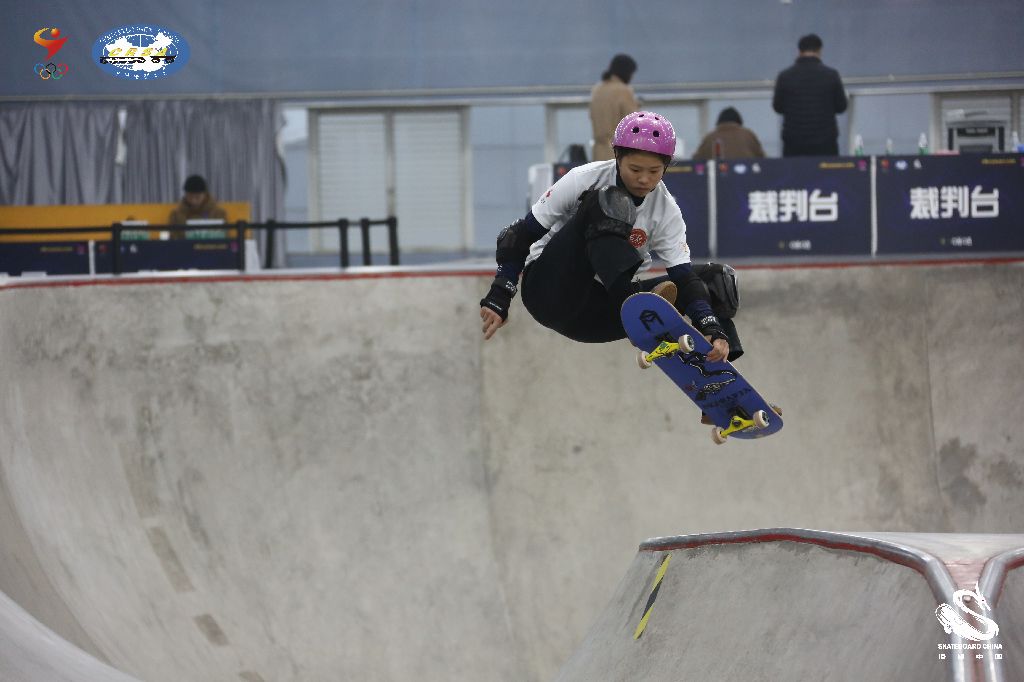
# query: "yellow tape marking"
(650, 600)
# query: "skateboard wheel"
(718, 436)
(686, 343)
(641, 359)
(761, 419)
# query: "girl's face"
(641, 172)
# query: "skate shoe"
(667, 290)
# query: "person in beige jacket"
(610, 101)
(729, 140)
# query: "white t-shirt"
(659, 227)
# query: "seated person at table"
(196, 204)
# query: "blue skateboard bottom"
(717, 388)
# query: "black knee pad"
(608, 211)
(612, 260)
(723, 288)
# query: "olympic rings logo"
(51, 70)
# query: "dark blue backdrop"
(790, 206)
(973, 202)
(688, 183)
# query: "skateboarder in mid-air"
(581, 246)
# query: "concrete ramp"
(1003, 582)
(31, 651)
(331, 476)
(786, 604)
(256, 481)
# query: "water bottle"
(858, 145)
(888, 146)
(922, 144)
(1015, 145)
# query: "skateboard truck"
(665, 349)
(739, 423)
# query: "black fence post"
(115, 249)
(364, 227)
(393, 238)
(240, 244)
(269, 260)
(343, 240)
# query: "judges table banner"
(969, 202)
(687, 181)
(73, 258)
(793, 206)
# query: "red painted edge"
(128, 280)
(893, 556)
(1016, 563)
(42, 283)
(992, 260)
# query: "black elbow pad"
(514, 242)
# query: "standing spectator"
(809, 95)
(729, 140)
(610, 101)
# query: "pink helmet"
(646, 131)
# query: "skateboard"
(665, 339)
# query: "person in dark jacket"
(809, 95)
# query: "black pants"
(560, 291)
(830, 148)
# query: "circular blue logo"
(138, 53)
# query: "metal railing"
(240, 228)
(342, 225)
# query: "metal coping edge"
(929, 566)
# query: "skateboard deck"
(660, 332)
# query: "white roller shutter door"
(351, 171)
(429, 180)
(410, 164)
